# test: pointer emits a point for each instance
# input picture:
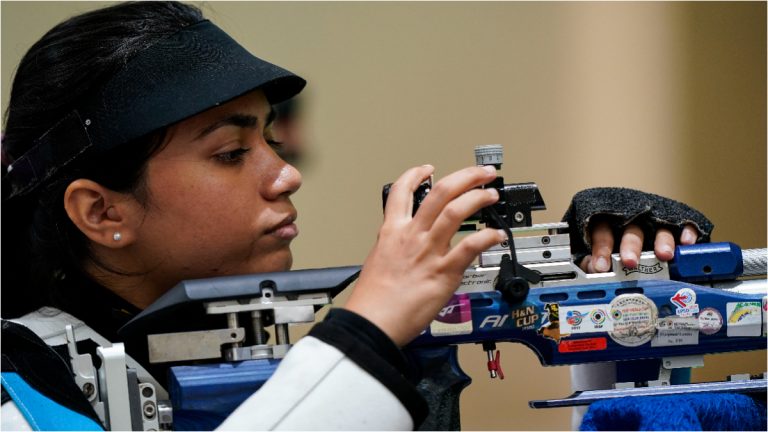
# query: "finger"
(689, 235)
(602, 246)
(447, 189)
(458, 210)
(400, 199)
(631, 245)
(664, 244)
(586, 265)
(462, 255)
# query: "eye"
(232, 157)
(276, 144)
(269, 137)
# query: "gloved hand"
(643, 221)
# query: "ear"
(100, 212)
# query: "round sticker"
(573, 317)
(634, 318)
(597, 316)
(710, 321)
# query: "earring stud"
(117, 236)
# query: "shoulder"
(49, 325)
(39, 381)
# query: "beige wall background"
(665, 97)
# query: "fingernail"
(630, 259)
(602, 265)
(490, 168)
(493, 193)
(428, 166)
(502, 234)
(667, 249)
(688, 237)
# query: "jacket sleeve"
(12, 419)
(346, 374)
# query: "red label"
(578, 345)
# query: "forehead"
(253, 104)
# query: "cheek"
(195, 183)
(200, 203)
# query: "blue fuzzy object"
(703, 411)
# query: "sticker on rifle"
(710, 321)
(585, 319)
(581, 345)
(524, 317)
(634, 319)
(744, 318)
(685, 300)
(674, 331)
(455, 318)
(550, 322)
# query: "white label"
(744, 319)
(585, 319)
(673, 331)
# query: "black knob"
(513, 290)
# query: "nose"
(285, 181)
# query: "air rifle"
(711, 298)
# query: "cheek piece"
(186, 73)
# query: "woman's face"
(218, 200)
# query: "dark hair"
(40, 244)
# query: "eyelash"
(269, 138)
(233, 157)
(275, 144)
(238, 155)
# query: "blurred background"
(669, 98)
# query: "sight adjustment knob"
(492, 154)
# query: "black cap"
(191, 71)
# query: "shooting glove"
(621, 207)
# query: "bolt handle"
(513, 281)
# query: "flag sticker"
(744, 319)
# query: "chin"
(277, 262)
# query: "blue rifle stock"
(675, 323)
(202, 395)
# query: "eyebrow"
(239, 120)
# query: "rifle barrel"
(755, 262)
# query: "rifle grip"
(441, 383)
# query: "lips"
(286, 229)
